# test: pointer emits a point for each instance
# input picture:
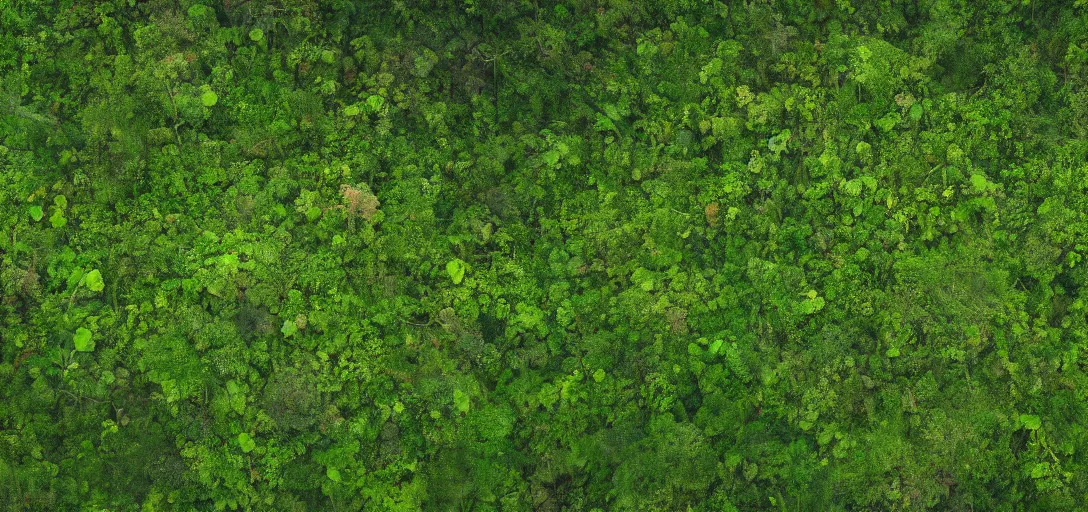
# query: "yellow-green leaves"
(461, 401)
(94, 281)
(530, 318)
(35, 212)
(777, 144)
(375, 102)
(200, 12)
(888, 122)
(1031, 421)
(915, 112)
(643, 278)
(236, 394)
(57, 219)
(812, 303)
(605, 124)
(744, 95)
(856, 186)
(208, 97)
(456, 270)
(981, 185)
(863, 149)
(83, 340)
(246, 442)
(289, 328)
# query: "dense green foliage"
(543, 255)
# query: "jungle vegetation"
(543, 255)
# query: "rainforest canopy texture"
(541, 255)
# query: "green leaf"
(246, 442)
(1031, 421)
(852, 187)
(892, 352)
(605, 124)
(811, 306)
(209, 98)
(200, 11)
(979, 183)
(289, 328)
(611, 111)
(375, 102)
(58, 220)
(93, 280)
(643, 278)
(456, 269)
(83, 341)
(333, 474)
(461, 401)
(75, 278)
(256, 35)
(60, 201)
(599, 375)
(887, 122)
(236, 396)
(35, 212)
(915, 112)
(777, 144)
(528, 316)
(551, 158)
(870, 182)
(863, 148)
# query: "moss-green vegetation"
(543, 255)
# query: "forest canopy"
(543, 255)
